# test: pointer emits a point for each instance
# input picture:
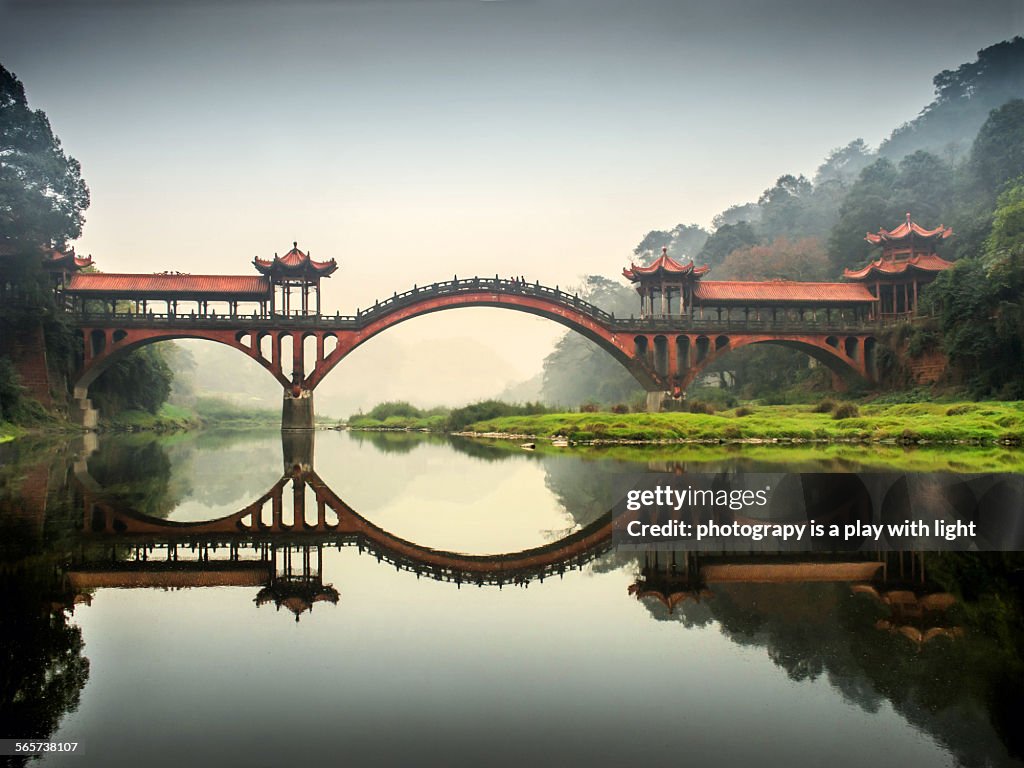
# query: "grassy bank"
(919, 423)
(785, 456)
(205, 412)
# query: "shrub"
(744, 411)
(960, 410)
(590, 408)
(825, 406)
(700, 406)
(620, 408)
(846, 411)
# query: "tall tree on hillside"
(998, 152)
(844, 164)
(980, 303)
(683, 241)
(726, 239)
(782, 259)
(42, 196)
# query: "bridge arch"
(103, 348)
(852, 360)
(635, 355)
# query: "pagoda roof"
(170, 286)
(781, 291)
(908, 230)
(661, 266)
(65, 262)
(921, 262)
(295, 263)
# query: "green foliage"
(11, 391)
(998, 152)
(726, 239)
(221, 412)
(578, 370)
(460, 418)
(979, 304)
(139, 381)
(384, 411)
(782, 259)
(845, 411)
(865, 423)
(16, 407)
(883, 193)
(844, 164)
(42, 195)
(684, 241)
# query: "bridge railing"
(505, 286)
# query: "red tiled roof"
(252, 287)
(906, 230)
(69, 261)
(717, 291)
(923, 262)
(663, 264)
(295, 263)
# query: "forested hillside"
(959, 163)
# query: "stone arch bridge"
(664, 354)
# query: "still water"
(396, 599)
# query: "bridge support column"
(655, 401)
(80, 410)
(297, 449)
(297, 410)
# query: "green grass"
(168, 418)
(796, 457)
(214, 411)
(920, 423)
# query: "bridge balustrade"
(502, 286)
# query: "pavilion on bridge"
(887, 287)
(670, 289)
(263, 295)
(294, 270)
(907, 264)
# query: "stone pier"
(297, 409)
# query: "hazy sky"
(415, 140)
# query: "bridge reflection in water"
(276, 543)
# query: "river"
(224, 598)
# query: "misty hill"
(963, 99)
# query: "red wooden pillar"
(298, 370)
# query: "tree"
(726, 239)
(734, 214)
(844, 164)
(684, 241)
(922, 183)
(42, 195)
(998, 152)
(782, 259)
(578, 370)
(980, 306)
(963, 99)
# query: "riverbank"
(907, 423)
(205, 413)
